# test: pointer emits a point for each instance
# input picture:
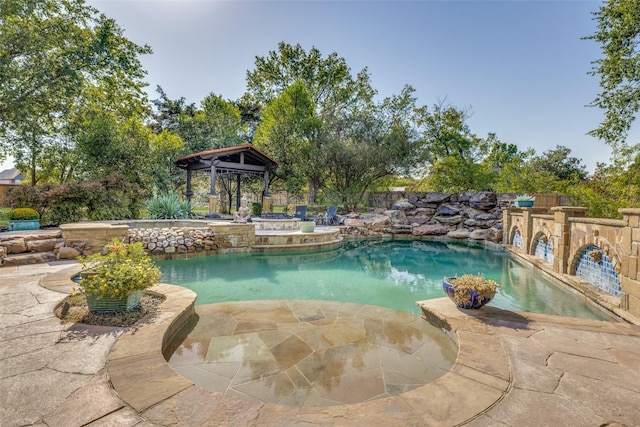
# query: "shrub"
(168, 206)
(125, 268)
(23, 214)
(256, 209)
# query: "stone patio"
(512, 369)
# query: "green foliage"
(28, 196)
(114, 198)
(168, 206)
(524, 198)
(23, 214)
(125, 268)
(598, 205)
(619, 69)
(286, 133)
(454, 174)
(216, 125)
(256, 209)
(107, 199)
(57, 57)
(319, 90)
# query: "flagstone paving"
(512, 369)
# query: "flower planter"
(307, 226)
(523, 203)
(475, 301)
(114, 304)
(16, 225)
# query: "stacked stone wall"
(475, 216)
(173, 240)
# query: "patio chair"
(327, 218)
(301, 212)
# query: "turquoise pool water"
(392, 274)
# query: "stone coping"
(482, 376)
(141, 377)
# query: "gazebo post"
(238, 192)
(266, 200)
(213, 196)
(189, 192)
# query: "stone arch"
(596, 262)
(601, 243)
(542, 246)
(512, 234)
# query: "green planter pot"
(307, 226)
(523, 203)
(114, 304)
(32, 224)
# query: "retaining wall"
(608, 249)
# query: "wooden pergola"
(239, 160)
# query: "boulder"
(435, 198)
(417, 220)
(462, 233)
(456, 219)
(485, 217)
(431, 230)
(66, 252)
(376, 222)
(447, 210)
(494, 235)
(396, 216)
(45, 245)
(353, 222)
(422, 212)
(484, 200)
(15, 246)
(478, 234)
(473, 223)
(402, 205)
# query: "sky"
(520, 66)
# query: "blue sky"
(520, 65)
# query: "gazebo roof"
(239, 159)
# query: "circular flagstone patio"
(309, 353)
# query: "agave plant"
(168, 206)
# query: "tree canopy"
(56, 57)
(618, 34)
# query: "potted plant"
(524, 201)
(23, 219)
(114, 282)
(470, 291)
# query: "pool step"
(29, 258)
(28, 247)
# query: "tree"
(619, 70)
(331, 88)
(368, 144)
(54, 55)
(452, 156)
(560, 164)
(217, 124)
(286, 133)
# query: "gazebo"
(239, 160)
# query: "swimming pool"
(391, 274)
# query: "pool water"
(391, 274)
